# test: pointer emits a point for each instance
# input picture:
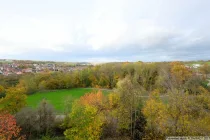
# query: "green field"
(197, 62)
(57, 98)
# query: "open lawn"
(57, 98)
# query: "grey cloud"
(148, 30)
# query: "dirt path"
(106, 89)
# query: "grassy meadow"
(57, 98)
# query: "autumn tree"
(146, 75)
(15, 99)
(183, 115)
(84, 76)
(178, 110)
(69, 83)
(180, 74)
(94, 76)
(2, 91)
(86, 118)
(113, 100)
(200, 112)
(112, 104)
(205, 69)
(29, 83)
(8, 128)
(93, 99)
(164, 80)
(130, 104)
(187, 114)
(107, 76)
(193, 84)
(175, 75)
(154, 111)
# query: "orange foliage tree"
(8, 128)
(93, 99)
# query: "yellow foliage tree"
(154, 111)
(179, 113)
(182, 115)
(15, 99)
(180, 72)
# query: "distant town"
(18, 67)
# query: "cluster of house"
(19, 68)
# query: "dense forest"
(147, 101)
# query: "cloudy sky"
(105, 30)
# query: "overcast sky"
(105, 30)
